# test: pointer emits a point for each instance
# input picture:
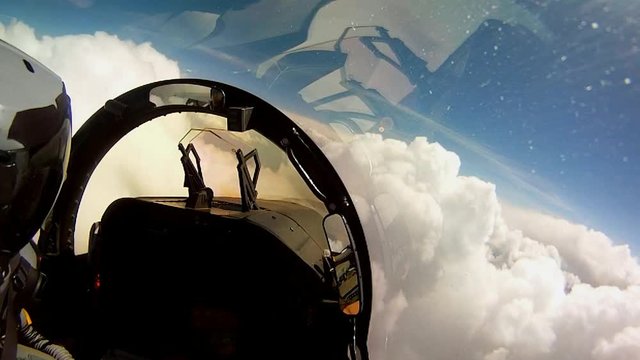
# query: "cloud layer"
(459, 276)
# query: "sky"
(499, 203)
(550, 117)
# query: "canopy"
(491, 147)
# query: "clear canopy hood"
(490, 147)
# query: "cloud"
(584, 251)
(457, 275)
(624, 345)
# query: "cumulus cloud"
(624, 345)
(584, 251)
(457, 275)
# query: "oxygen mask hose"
(30, 337)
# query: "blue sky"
(561, 115)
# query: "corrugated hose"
(32, 338)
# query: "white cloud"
(460, 276)
(584, 251)
(625, 345)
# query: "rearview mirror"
(204, 97)
(341, 263)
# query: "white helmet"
(35, 136)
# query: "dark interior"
(175, 283)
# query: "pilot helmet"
(35, 139)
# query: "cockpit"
(259, 259)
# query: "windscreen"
(146, 162)
(278, 178)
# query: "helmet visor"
(30, 178)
